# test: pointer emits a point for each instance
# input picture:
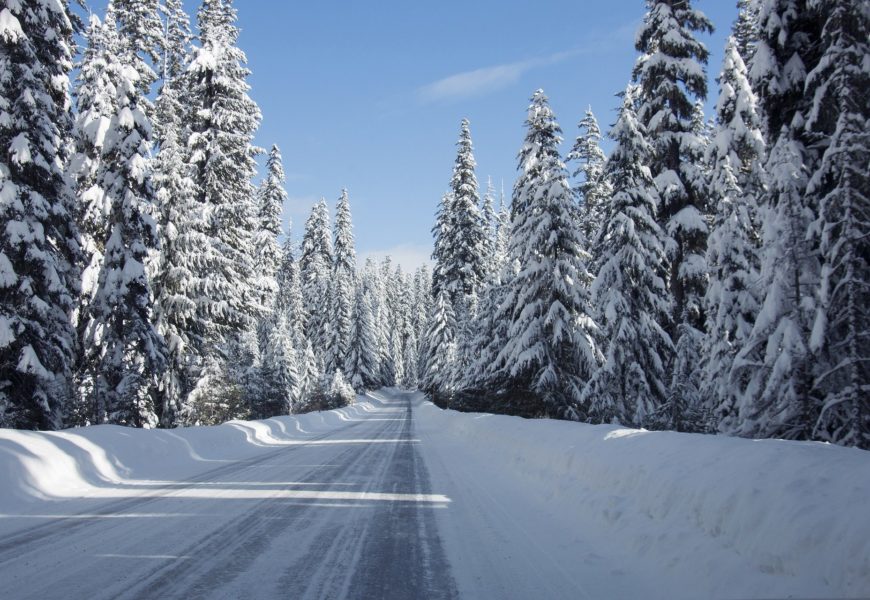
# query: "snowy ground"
(395, 498)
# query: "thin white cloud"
(483, 81)
(410, 256)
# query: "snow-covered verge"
(678, 515)
(84, 462)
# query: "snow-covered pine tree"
(778, 399)
(222, 120)
(343, 286)
(267, 252)
(592, 189)
(361, 364)
(490, 333)
(39, 247)
(745, 29)
(289, 299)
(629, 292)
(839, 118)
(96, 103)
(315, 268)
(440, 347)
(460, 233)
(391, 316)
(124, 352)
(139, 25)
(309, 377)
(732, 301)
(174, 57)
(442, 236)
(410, 342)
(550, 349)
(490, 226)
(280, 370)
(671, 78)
(788, 47)
(421, 309)
(178, 284)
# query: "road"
(350, 514)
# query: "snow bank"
(83, 462)
(710, 516)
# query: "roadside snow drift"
(86, 462)
(691, 516)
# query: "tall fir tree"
(343, 285)
(745, 29)
(593, 190)
(460, 257)
(550, 349)
(438, 369)
(775, 364)
(732, 300)
(223, 119)
(267, 252)
(671, 78)
(139, 25)
(39, 245)
(315, 267)
(360, 364)
(629, 292)
(839, 118)
(124, 351)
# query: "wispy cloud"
(485, 80)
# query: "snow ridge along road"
(346, 514)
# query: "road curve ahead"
(347, 515)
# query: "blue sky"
(369, 95)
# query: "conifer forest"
(709, 274)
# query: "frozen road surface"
(350, 514)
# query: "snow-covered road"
(395, 498)
(349, 514)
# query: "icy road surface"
(348, 515)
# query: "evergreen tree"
(440, 347)
(343, 284)
(490, 227)
(361, 363)
(839, 117)
(460, 251)
(315, 266)
(280, 371)
(671, 77)
(732, 301)
(178, 286)
(267, 252)
(222, 122)
(174, 58)
(125, 353)
(139, 25)
(629, 293)
(593, 190)
(289, 299)
(775, 365)
(549, 350)
(39, 247)
(745, 30)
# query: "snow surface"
(519, 508)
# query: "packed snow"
(524, 508)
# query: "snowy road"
(349, 514)
(395, 498)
